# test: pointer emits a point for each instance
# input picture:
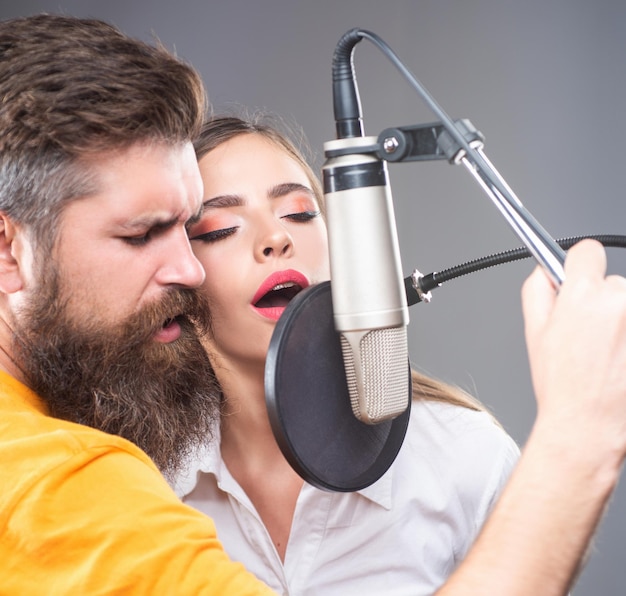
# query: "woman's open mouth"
(277, 291)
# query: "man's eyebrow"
(157, 222)
(149, 222)
(280, 190)
(195, 218)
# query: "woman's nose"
(276, 242)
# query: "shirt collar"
(380, 491)
(207, 460)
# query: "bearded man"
(100, 360)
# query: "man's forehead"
(146, 182)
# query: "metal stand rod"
(547, 252)
(541, 245)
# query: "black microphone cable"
(457, 145)
(418, 286)
(349, 123)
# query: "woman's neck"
(252, 456)
(245, 427)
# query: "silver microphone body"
(369, 300)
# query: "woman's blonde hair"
(219, 129)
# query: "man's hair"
(71, 89)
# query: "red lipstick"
(275, 293)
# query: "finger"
(586, 258)
(538, 297)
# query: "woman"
(261, 239)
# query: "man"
(98, 315)
(97, 319)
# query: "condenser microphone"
(369, 302)
(370, 309)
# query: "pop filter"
(308, 401)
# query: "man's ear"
(11, 279)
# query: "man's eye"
(302, 216)
(137, 240)
(214, 235)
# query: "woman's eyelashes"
(301, 216)
(214, 235)
(221, 233)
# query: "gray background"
(545, 83)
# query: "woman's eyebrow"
(280, 190)
(275, 192)
(223, 201)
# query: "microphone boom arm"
(456, 142)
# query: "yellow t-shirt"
(85, 512)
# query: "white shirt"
(404, 534)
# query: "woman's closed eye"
(301, 216)
(214, 235)
(214, 229)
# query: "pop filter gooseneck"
(306, 390)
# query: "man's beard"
(163, 397)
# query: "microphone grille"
(377, 377)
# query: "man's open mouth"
(170, 331)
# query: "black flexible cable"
(434, 280)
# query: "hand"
(576, 341)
